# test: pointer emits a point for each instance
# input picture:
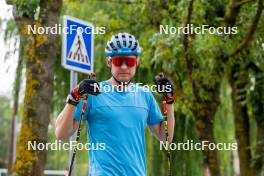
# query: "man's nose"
(123, 66)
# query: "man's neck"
(116, 85)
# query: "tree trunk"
(40, 51)
(257, 99)
(238, 82)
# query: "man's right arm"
(65, 124)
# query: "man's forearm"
(171, 121)
(161, 128)
(65, 124)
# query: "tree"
(39, 58)
(200, 73)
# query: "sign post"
(73, 82)
(77, 54)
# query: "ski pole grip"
(92, 76)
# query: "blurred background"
(219, 80)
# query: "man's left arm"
(159, 130)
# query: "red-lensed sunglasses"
(129, 61)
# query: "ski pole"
(92, 76)
(167, 134)
(78, 135)
(165, 117)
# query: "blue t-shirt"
(116, 122)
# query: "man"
(117, 116)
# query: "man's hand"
(165, 87)
(85, 87)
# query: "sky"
(8, 67)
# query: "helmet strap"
(123, 83)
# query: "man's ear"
(108, 62)
(137, 61)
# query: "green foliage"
(6, 113)
(11, 30)
(27, 8)
(186, 162)
(61, 84)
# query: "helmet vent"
(112, 45)
(130, 43)
(118, 44)
(135, 47)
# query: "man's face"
(123, 67)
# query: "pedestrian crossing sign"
(77, 45)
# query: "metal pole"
(73, 83)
